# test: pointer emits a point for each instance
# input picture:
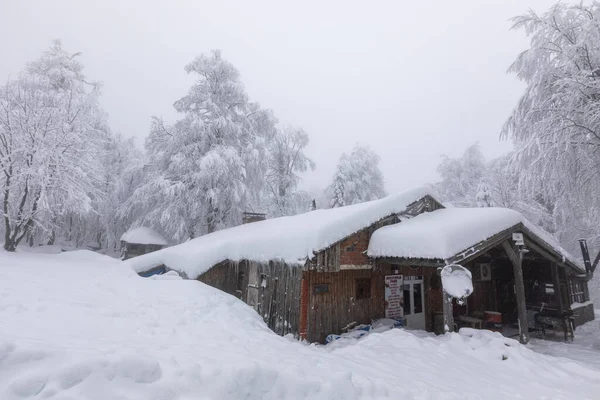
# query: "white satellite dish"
(457, 281)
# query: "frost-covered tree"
(51, 136)
(484, 195)
(462, 176)
(286, 161)
(122, 173)
(210, 165)
(472, 181)
(357, 178)
(556, 124)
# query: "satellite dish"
(457, 281)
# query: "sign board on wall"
(394, 296)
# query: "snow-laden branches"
(286, 161)
(209, 166)
(556, 123)
(357, 178)
(51, 134)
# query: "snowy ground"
(82, 326)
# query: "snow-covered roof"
(444, 233)
(143, 235)
(291, 239)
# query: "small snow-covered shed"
(142, 240)
(320, 272)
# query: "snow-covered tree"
(286, 161)
(122, 173)
(471, 181)
(484, 195)
(210, 165)
(357, 178)
(462, 176)
(556, 124)
(51, 136)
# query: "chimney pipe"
(586, 256)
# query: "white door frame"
(415, 321)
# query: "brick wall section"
(352, 250)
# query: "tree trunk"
(52, 238)
(10, 245)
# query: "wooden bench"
(472, 322)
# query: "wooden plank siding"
(276, 288)
(332, 311)
(339, 265)
(339, 253)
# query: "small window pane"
(418, 298)
(406, 299)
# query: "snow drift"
(82, 326)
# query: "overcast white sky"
(414, 80)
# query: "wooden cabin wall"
(332, 311)
(229, 277)
(279, 300)
(272, 289)
(484, 296)
(351, 251)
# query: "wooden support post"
(556, 284)
(517, 260)
(304, 288)
(448, 316)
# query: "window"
(577, 292)
(418, 298)
(363, 288)
(406, 300)
(352, 247)
(321, 288)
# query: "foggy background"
(413, 80)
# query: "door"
(414, 301)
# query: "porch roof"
(459, 233)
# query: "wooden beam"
(416, 262)
(448, 315)
(516, 257)
(483, 246)
(538, 249)
(556, 284)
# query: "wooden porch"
(517, 289)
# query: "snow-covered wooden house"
(320, 272)
(142, 240)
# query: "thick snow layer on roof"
(444, 233)
(143, 235)
(291, 239)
